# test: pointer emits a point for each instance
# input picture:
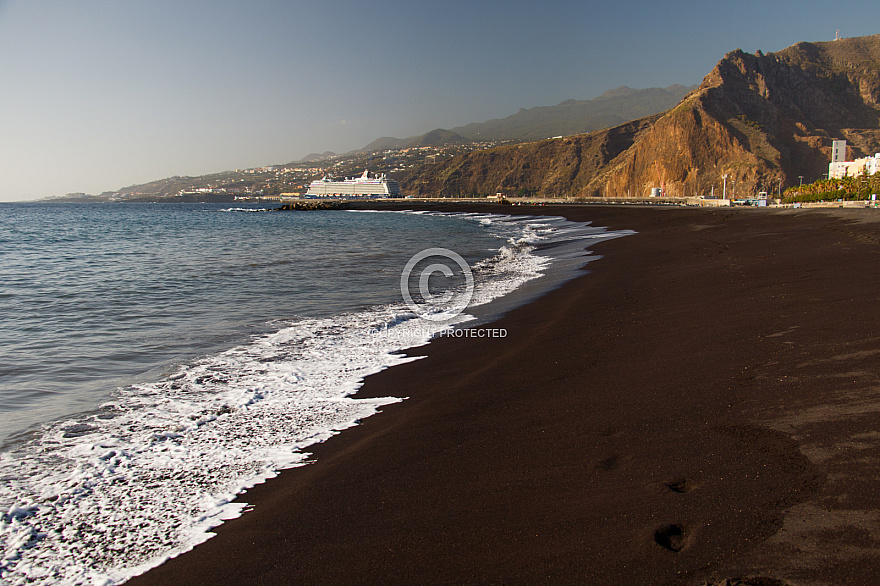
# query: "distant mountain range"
(569, 117)
(316, 157)
(612, 108)
(764, 120)
(436, 138)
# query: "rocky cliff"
(763, 120)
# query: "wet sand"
(702, 404)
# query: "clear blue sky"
(99, 94)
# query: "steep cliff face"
(762, 120)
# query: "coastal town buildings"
(840, 167)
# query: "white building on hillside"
(840, 167)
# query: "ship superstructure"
(378, 186)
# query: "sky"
(96, 95)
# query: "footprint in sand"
(681, 485)
(671, 537)
(610, 463)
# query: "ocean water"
(157, 360)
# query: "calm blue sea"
(156, 360)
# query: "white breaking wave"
(106, 495)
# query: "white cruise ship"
(364, 186)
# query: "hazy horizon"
(99, 94)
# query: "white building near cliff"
(840, 167)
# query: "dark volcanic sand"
(703, 404)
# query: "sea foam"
(106, 495)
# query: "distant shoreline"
(503, 207)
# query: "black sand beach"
(703, 404)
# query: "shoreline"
(675, 414)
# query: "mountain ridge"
(612, 108)
(571, 116)
(762, 120)
(436, 137)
